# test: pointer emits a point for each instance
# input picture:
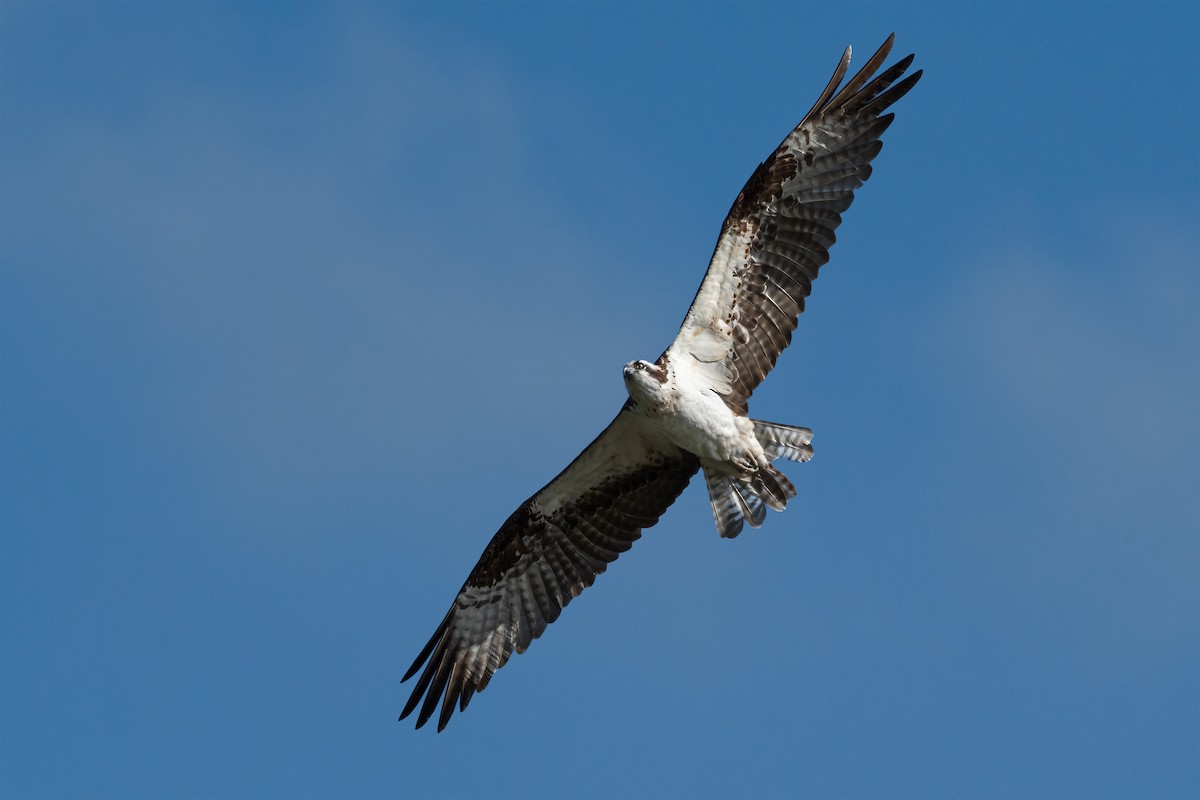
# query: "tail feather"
(752, 506)
(727, 510)
(777, 489)
(736, 501)
(784, 441)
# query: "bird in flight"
(687, 410)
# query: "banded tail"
(736, 500)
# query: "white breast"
(699, 421)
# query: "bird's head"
(646, 382)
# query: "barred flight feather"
(778, 233)
(772, 245)
(538, 562)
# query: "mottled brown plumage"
(538, 561)
(774, 240)
(778, 232)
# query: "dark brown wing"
(780, 228)
(547, 552)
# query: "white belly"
(696, 419)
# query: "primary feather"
(687, 410)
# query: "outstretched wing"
(780, 228)
(549, 550)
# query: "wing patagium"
(778, 233)
(545, 554)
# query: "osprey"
(687, 410)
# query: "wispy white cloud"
(1105, 355)
(317, 286)
(1084, 437)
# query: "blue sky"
(300, 301)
